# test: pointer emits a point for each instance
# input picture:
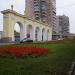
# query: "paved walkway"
(74, 67)
(6, 43)
(74, 72)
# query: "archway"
(18, 31)
(43, 34)
(30, 32)
(11, 17)
(48, 35)
(37, 34)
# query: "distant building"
(1, 32)
(63, 26)
(71, 36)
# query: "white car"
(26, 40)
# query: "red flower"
(22, 51)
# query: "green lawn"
(58, 60)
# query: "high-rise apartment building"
(63, 25)
(29, 10)
(44, 10)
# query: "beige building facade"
(37, 30)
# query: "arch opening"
(43, 34)
(30, 32)
(48, 35)
(18, 32)
(37, 34)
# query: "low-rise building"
(71, 36)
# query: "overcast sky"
(66, 7)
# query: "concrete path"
(74, 71)
(74, 67)
(6, 43)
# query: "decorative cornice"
(23, 16)
(11, 11)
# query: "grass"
(58, 60)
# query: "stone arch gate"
(27, 26)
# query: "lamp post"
(12, 7)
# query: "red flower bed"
(22, 51)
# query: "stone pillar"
(24, 32)
(40, 35)
(34, 34)
(7, 27)
(50, 34)
(45, 34)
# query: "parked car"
(26, 40)
(60, 38)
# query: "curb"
(72, 68)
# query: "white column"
(45, 35)
(13, 38)
(33, 33)
(23, 32)
(50, 34)
(40, 34)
